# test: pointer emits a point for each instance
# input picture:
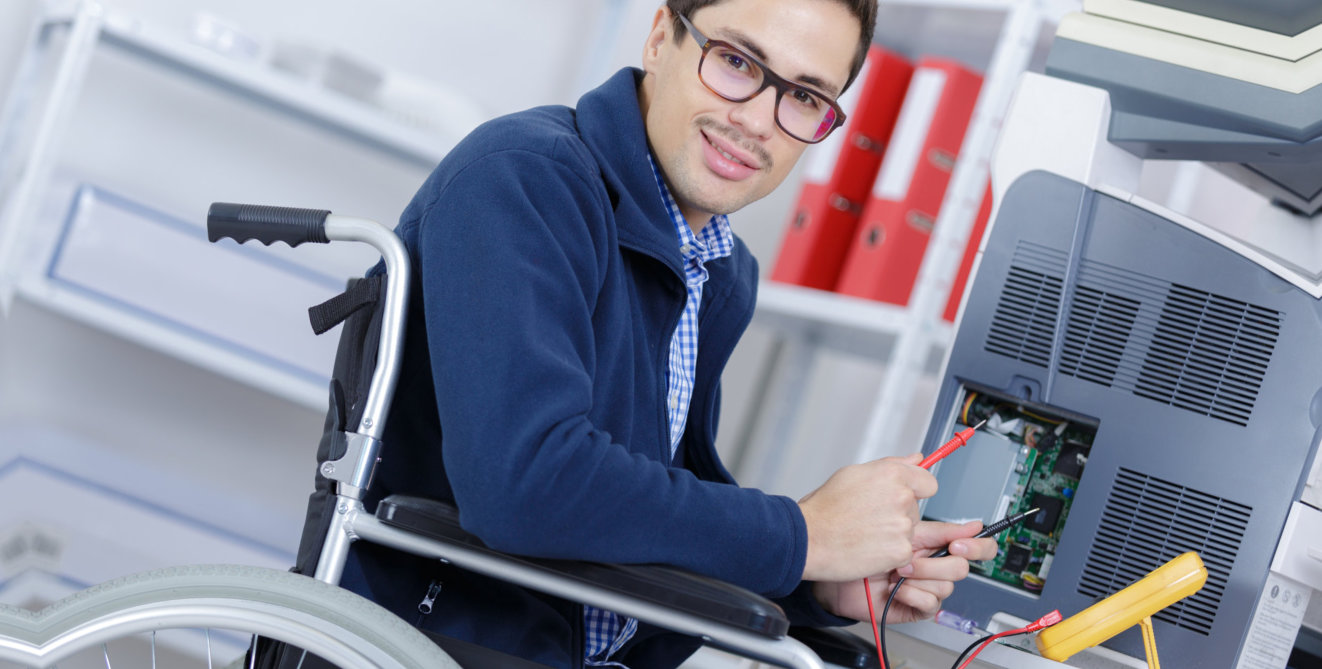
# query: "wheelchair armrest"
(701, 597)
(838, 647)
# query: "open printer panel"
(1023, 457)
(1188, 383)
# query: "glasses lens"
(735, 76)
(730, 73)
(805, 115)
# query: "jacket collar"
(611, 124)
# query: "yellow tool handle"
(1167, 584)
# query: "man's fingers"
(941, 569)
(937, 535)
(924, 596)
(862, 520)
(921, 481)
(974, 550)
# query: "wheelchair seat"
(705, 598)
(684, 592)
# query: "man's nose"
(757, 116)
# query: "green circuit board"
(1052, 454)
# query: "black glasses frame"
(769, 79)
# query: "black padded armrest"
(838, 647)
(702, 597)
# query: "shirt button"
(686, 249)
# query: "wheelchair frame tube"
(784, 651)
(389, 353)
(339, 536)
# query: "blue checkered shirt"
(607, 632)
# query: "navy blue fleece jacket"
(547, 286)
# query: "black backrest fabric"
(359, 307)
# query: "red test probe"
(961, 438)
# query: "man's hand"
(861, 521)
(927, 582)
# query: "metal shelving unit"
(905, 339)
(34, 129)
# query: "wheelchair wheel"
(133, 621)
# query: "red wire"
(988, 643)
(872, 616)
(1045, 621)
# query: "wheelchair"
(373, 312)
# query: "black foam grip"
(267, 225)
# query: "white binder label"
(906, 147)
(1275, 624)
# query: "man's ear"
(662, 31)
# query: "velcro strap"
(332, 312)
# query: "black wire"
(990, 530)
(969, 650)
(881, 625)
(975, 644)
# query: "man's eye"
(735, 62)
(805, 99)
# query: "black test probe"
(988, 531)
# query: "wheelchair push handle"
(266, 224)
(243, 222)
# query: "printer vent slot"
(1209, 354)
(1024, 324)
(1147, 522)
(1095, 338)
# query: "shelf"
(70, 226)
(848, 324)
(1055, 8)
(302, 99)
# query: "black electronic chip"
(1048, 514)
(1016, 559)
(1070, 462)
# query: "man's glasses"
(729, 72)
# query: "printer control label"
(1275, 624)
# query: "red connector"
(1045, 621)
(961, 438)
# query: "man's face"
(717, 155)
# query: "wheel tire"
(328, 621)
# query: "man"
(577, 294)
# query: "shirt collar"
(715, 240)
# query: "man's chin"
(726, 197)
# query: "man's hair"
(863, 10)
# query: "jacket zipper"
(429, 599)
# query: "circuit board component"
(1024, 457)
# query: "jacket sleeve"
(511, 252)
(802, 608)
